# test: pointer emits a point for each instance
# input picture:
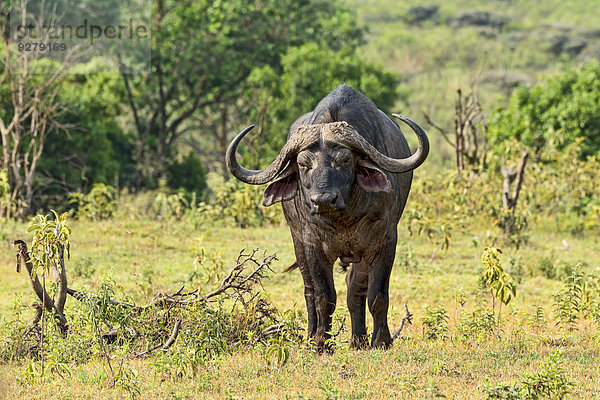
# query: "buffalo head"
(322, 162)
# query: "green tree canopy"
(309, 73)
(560, 110)
(90, 145)
(202, 54)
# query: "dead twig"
(172, 338)
(407, 318)
(238, 282)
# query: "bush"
(98, 204)
(478, 325)
(546, 268)
(187, 174)
(550, 383)
(560, 110)
(435, 321)
(237, 204)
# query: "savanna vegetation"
(164, 278)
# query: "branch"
(407, 318)
(520, 173)
(174, 299)
(439, 129)
(167, 344)
(173, 336)
(242, 284)
(511, 175)
(23, 258)
(60, 276)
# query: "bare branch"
(442, 131)
(237, 280)
(407, 318)
(173, 336)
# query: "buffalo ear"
(284, 188)
(370, 178)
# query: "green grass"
(148, 257)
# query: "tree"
(203, 52)
(95, 149)
(470, 133)
(560, 110)
(309, 73)
(29, 85)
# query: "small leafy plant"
(569, 302)
(550, 383)
(435, 323)
(99, 204)
(498, 282)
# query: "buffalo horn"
(258, 177)
(351, 137)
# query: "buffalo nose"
(326, 199)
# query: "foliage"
(98, 204)
(561, 110)
(6, 203)
(167, 205)
(479, 325)
(563, 190)
(187, 174)
(237, 204)
(435, 322)
(569, 302)
(550, 383)
(93, 147)
(497, 280)
(50, 239)
(280, 348)
(232, 38)
(502, 391)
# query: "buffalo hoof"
(381, 339)
(359, 342)
(320, 345)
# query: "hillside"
(493, 46)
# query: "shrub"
(546, 268)
(435, 321)
(187, 174)
(237, 204)
(550, 383)
(478, 325)
(569, 302)
(100, 203)
(498, 282)
(559, 110)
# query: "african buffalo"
(343, 178)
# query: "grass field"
(148, 257)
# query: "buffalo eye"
(343, 161)
(304, 166)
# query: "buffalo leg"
(321, 271)
(378, 294)
(309, 290)
(356, 281)
(309, 296)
